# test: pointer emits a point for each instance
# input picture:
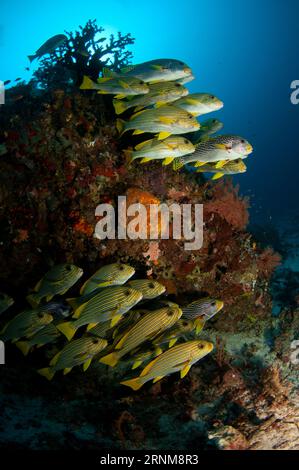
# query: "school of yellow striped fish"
(156, 101)
(116, 319)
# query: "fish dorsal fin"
(55, 359)
(148, 367)
(143, 144)
(137, 114)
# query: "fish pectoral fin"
(145, 160)
(167, 160)
(223, 147)
(67, 370)
(142, 144)
(165, 120)
(185, 370)
(156, 67)
(120, 96)
(104, 79)
(192, 101)
(217, 176)
(172, 342)
(87, 364)
(163, 135)
(115, 319)
(159, 104)
(138, 131)
(220, 164)
(156, 379)
(198, 164)
(136, 364)
(124, 84)
(158, 351)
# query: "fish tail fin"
(32, 57)
(119, 106)
(68, 329)
(135, 384)
(111, 359)
(87, 84)
(47, 372)
(177, 164)
(34, 299)
(24, 346)
(120, 126)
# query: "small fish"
(230, 168)
(207, 128)
(149, 289)
(149, 326)
(159, 94)
(119, 86)
(110, 275)
(45, 335)
(179, 358)
(7, 82)
(77, 352)
(138, 357)
(157, 70)
(219, 149)
(18, 79)
(203, 309)
(5, 302)
(25, 324)
(48, 47)
(199, 103)
(110, 303)
(165, 121)
(177, 331)
(155, 149)
(57, 280)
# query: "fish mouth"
(187, 70)
(210, 347)
(249, 148)
(219, 305)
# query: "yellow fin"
(120, 96)
(121, 342)
(167, 160)
(220, 164)
(55, 359)
(90, 326)
(47, 372)
(199, 324)
(33, 299)
(137, 132)
(104, 79)
(217, 176)
(67, 370)
(78, 311)
(145, 160)
(172, 342)
(142, 144)
(148, 367)
(119, 106)
(158, 378)
(135, 384)
(68, 329)
(166, 120)
(136, 364)
(87, 364)
(37, 286)
(111, 359)
(163, 135)
(221, 147)
(185, 370)
(115, 319)
(120, 126)
(158, 351)
(197, 164)
(159, 104)
(156, 67)
(24, 346)
(87, 84)
(124, 84)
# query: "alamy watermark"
(295, 92)
(151, 222)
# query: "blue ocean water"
(244, 52)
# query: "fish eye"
(121, 268)
(242, 141)
(181, 63)
(68, 267)
(140, 83)
(178, 85)
(127, 293)
(212, 97)
(185, 323)
(95, 341)
(151, 285)
(190, 117)
(186, 141)
(213, 303)
(40, 315)
(200, 346)
(170, 313)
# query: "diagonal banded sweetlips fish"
(119, 86)
(199, 103)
